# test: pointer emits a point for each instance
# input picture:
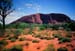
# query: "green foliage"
(23, 25)
(50, 48)
(61, 38)
(5, 49)
(13, 40)
(16, 48)
(69, 35)
(3, 42)
(21, 39)
(35, 41)
(55, 27)
(71, 26)
(57, 35)
(43, 26)
(17, 32)
(62, 49)
(37, 35)
(18, 25)
(64, 39)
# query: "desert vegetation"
(42, 37)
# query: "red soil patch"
(42, 43)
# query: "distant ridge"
(40, 18)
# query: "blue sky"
(27, 7)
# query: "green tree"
(5, 9)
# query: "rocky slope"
(44, 18)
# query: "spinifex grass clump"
(5, 49)
(61, 38)
(16, 48)
(18, 32)
(35, 41)
(62, 49)
(3, 43)
(69, 35)
(64, 39)
(21, 39)
(13, 40)
(38, 35)
(50, 48)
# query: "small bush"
(16, 48)
(62, 49)
(50, 48)
(26, 44)
(69, 35)
(70, 45)
(21, 39)
(61, 28)
(5, 49)
(63, 39)
(35, 41)
(13, 40)
(48, 38)
(57, 35)
(37, 35)
(14, 37)
(17, 32)
(3, 42)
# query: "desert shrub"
(42, 37)
(7, 35)
(48, 38)
(21, 39)
(19, 25)
(50, 48)
(13, 40)
(37, 35)
(13, 37)
(26, 44)
(18, 32)
(69, 35)
(55, 27)
(70, 45)
(35, 41)
(62, 49)
(64, 39)
(61, 38)
(3, 42)
(5, 49)
(71, 26)
(16, 48)
(60, 28)
(43, 26)
(57, 35)
(23, 26)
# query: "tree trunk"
(4, 23)
(3, 29)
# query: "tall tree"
(5, 9)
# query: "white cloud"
(19, 8)
(37, 8)
(34, 6)
(28, 5)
